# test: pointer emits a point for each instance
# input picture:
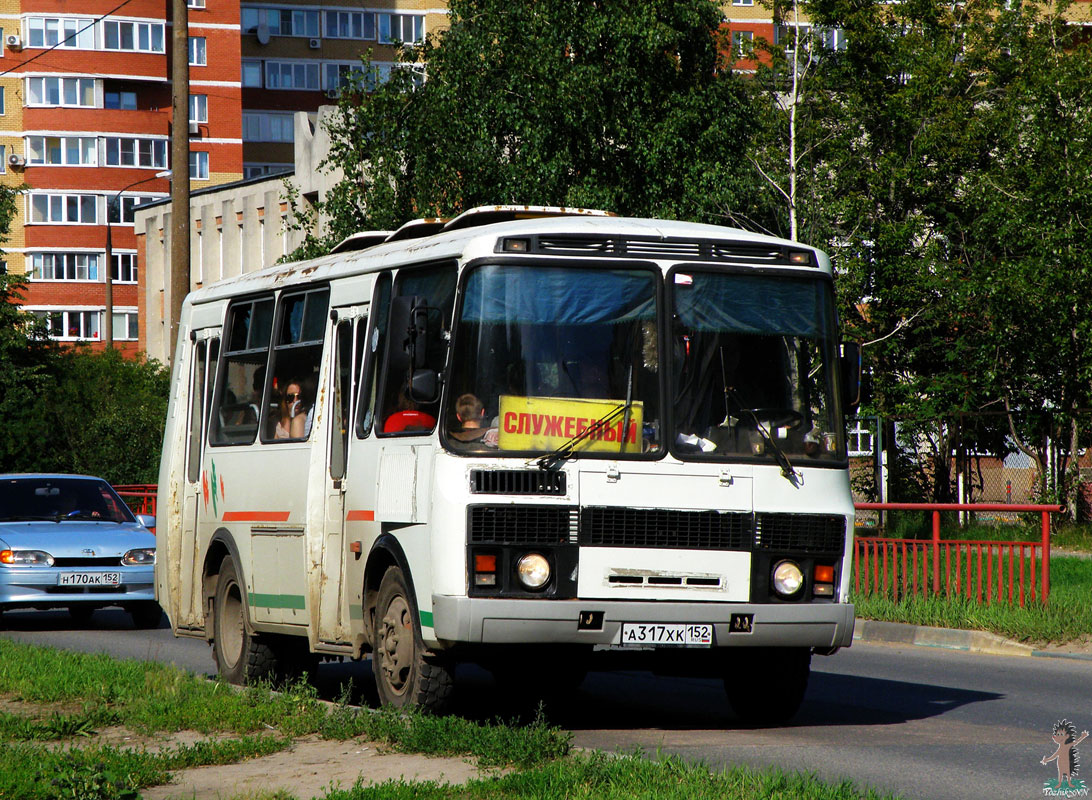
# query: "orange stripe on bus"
(360, 516)
(256, 516)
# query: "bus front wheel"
(766, 685)
(241, 656)
(405, 674)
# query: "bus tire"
(765, 686)
(405, 674)
(241, 656)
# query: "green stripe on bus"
(426, 619)
(294, 601)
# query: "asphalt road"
(921, 722)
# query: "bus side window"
(375, 346)
(400, 413)
(197, 397)
(343, 391)
(234, 417)
(297, 354)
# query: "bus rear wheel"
(241, 657)
(405, 674)
(766, 685)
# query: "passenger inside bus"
(293, 412)
(407, 416)
(470, 431)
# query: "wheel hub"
(396, 645)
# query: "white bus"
(537, 439)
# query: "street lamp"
(108, 326)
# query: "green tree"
(626, 106)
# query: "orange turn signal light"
(485, 563)
(7, 557)
(824, 574)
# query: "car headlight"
(533, 570)
(136, 558)
(788, 578)
(26, 558)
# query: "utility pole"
(179, 269)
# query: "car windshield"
(60, 500)
(542, 354)
(752, 374)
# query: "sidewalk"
(873, 632)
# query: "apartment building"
(296, 57)
(85, 121)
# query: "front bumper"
(503, 621)
(38, 587)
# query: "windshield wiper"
(787, 469)
(28, 518)
(552, 459)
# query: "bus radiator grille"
(517, 481)
(521, 524)
(800, 533)
(665, 529)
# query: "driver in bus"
(471, 429)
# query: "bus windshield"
(752, 372)
(541, 354)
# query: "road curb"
(875, 632)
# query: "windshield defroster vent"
(680, 249)
(517, 481)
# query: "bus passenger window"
(297, 354)
(400, 412)
(375, 347)
(234, 420)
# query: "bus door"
(348, 330)
(205, 348)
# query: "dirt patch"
(309, 768)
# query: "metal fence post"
(1045, 581)
(936, 552)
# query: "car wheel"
(81, 615)
(145, 615)
(241, 656)
(405, 674)
(765, 686)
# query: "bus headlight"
(788, 578)
(533, 570)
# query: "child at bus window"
(292, 412)
(471, 429)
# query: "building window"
(2, 105)
(64, 266)
(743, 2)
(860, 437)
(62, 150)
(122, 213)
(125, 326)
(3, 158)
(71, 324)
(197, 51)
(252, 74)
(195, 3)
(349, 25)
(132, 152)
(61, 92)
(120, 100)
(267, 126)
(291, 75)
(338, 76)
(73, 32)
(124, 269)
(741, 43)
(257, 170)
(199, 166)
(64, 209)
(280, 21)
(142, 37)
(199, 108)
(404, 28)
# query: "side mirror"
(147, 520)
(424, 386)
(409, 333)
(851, 375)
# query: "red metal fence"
(139, 496)
(979, 570)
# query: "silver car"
(69, 541)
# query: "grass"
(59, 701)
(1066, 617)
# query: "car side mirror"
(851, 375)
(409, 332)
(147, 520)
